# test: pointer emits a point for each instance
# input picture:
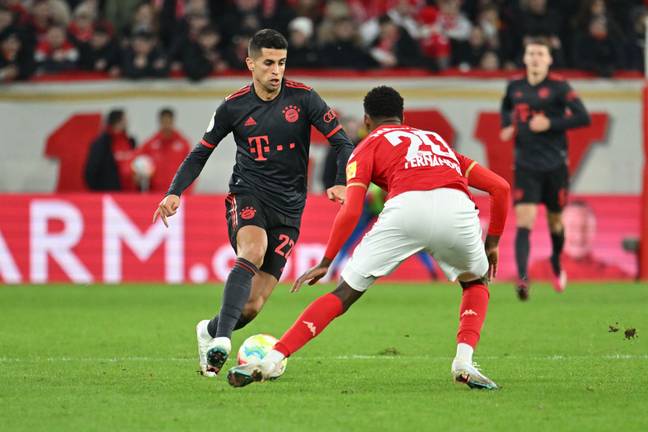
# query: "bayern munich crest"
(291, 113)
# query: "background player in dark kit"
(538, 109)
(271, 121)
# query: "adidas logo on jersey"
(250, 122)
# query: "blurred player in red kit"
(428, 207)
(158, 159)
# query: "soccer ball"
(255, 348)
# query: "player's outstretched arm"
(345, 221)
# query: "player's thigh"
(457, 244)
(389, 242)
(555, 189)
(281, 241)
(246, 226)
(528, 186)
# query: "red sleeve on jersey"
(360, 166)
(345, 220)
(498, 189)
(464, 163)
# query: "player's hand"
(539, 123)
(312, 276)
(492, 253)
(507, 133)
(167, 208)
(336, 193)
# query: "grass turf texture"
(121, 358)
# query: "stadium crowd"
(154, 38)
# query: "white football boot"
(242, 375)
(467, 373)
(212, 352)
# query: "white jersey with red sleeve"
(400, 158)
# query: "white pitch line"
(352, 357)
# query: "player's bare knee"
(347, 295)
(555, 222)
(253, 252)
(525, 215)
(469, 282)
(467, 278)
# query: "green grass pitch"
(122, 358)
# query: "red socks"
(472, 313)
(310, 323)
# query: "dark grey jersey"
(272, 144)
(554, 97)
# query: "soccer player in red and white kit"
(429, 207)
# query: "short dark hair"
(537, 40)
(114, 117)
(383, 102)
(266, 38)
(166, 111)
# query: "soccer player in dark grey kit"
(538, 109)
(271, 120)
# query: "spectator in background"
(538, 20)
(100, 53)
(334, 10)
(453, 25)
(56, 53)
(165, 151)
(120, 13)
(394, 47)
(435, 45)
(204, 56)
(16, 62)
(489, 61)
(597, 51)
(108, 167)
(302, 52)
(144, 59)
(143, 20)
(246, 16)
(7, 24)
(81, 27)
(345, 50)
(39, 21)
(311, 9)
(18, 8)
(468, 55)
(238, 51)
(636, 39)
(401, 12)
(189, 31)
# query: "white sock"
(464, 353)
(274, 356)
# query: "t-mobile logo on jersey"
(260, 146)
